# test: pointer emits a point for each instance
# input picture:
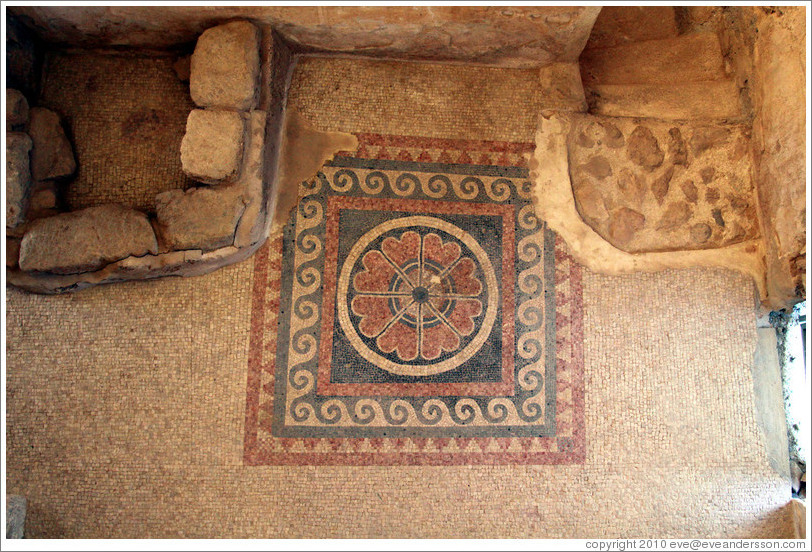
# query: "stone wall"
(779, 146)
(220, 221)
(765, 50)
(647, 185)
(694, 143)
(516, 36)
(690, 151)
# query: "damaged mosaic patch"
(416, 311)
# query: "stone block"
(86, 240)
(52, 154)
(199, 218)
(18, 177)
(684, 101)
(561, 87)
(211, 150)
(225, 67)
(689, 58)
(16, 110)
(44, 195)
(779, 90)
(15, 516)
(617, 25)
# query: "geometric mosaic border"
(266, 443)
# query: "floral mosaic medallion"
(416, 311)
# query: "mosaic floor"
(120, 111)
(147, 409)
(428, 316)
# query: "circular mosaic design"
(417, 296)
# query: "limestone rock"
(779, 91)
(695, 57)
(707, 175)
(739, 204)
(225, 67)
(717, 217)
(199, 218)
(52, 154)
(597, 167)
(613, 137)
(527, 36)
(676, 147)
(86, 240)
(697, 101)
(737, 232)
(625, 223)
(700, 233)
(44, 195)
(16, 110)
(18, 177)
(590, 204)
(661, 184)
(643, 148)
(211, 150)
(677, 214)
(561, 87)
(632, 186)
(690, 190)
(705, 138)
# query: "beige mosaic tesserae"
(440, 272)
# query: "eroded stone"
(690, 190)
(211, 150)
(677, 150)
(613, 137)
(644, 149)
(671, 215)
(717, 217)
(16, 110)
(597, 167)
(52, 154)
(700, 233)
(86, 240)
(677, 214)
(44, 195)
(591, 204)
(199, 218)
(224, 69)
(707, 174)
(18, 177)
(661, 185)
(633, 187)
(624, 223)
(705, 138)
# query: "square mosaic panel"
(416, 311)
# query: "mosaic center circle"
(417, 296)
